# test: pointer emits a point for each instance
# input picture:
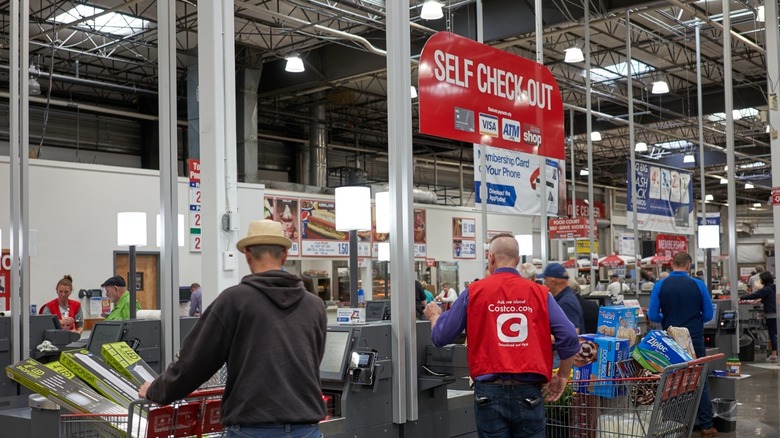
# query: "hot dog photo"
(319, 221)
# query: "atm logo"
(488, 125)
(510, 130)
(532, 135)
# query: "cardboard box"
(122, 358)
(658, 350)
(99, 375)
(620, 322)
(597, 360)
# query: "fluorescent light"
(584, 172)
(768, 128)
(414, 92)
(641, 147)
(757, 204)
(431, 10)
(760, 14)
(689, 158)
(724, 181)
(92, 18)
(595, 136)
(294, 64)
(573, 54)
(736, 114)
(726, 168)
(708, 198)
(748, 186)
(660, 87)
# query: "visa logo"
(510, 130)
(488, 125)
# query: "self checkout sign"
(479, 94)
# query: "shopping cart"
(197, 415)
(633, 405)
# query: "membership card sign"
(479, 94)
(664, 198)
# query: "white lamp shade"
(179, 229)
(595, 136)
(131, 228)
(431, 10)
(709, 236)
(660, 87)
(294, 64)
(689, 158)
(573, 54)
(383, 251)
(353, 208)
(641, 147)
(526, 243)
(383, 212)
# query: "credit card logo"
(488, 125)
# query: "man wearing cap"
(116, 291)
(271, 333)
(509, 321)
(557, 280)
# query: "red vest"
(54, 308)
(508, 327)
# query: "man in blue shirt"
(511, 363)
(681, 301)
(556, 279)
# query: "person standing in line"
(116, 291)
(556, 279)
(510, 351)
(616, 289)
(682, 301)
(766, 293)
(196, 299)
(754, 278)
(528, 271)
(68, 311)
(271, 333)
(447, 296)
(590, 309)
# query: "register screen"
(334, 360)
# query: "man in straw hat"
(271, 334)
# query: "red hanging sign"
(669, 244)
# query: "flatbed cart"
(635, 405)
(197, 415)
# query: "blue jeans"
(704, 413)
(275, 431)
(509, 411)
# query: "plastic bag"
(725, 408)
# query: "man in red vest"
(509, 320)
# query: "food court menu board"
(464, 235)
(286, 213)
(420, 235)
(319, 237)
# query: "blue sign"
(664, 198)
(498, 194)
(712, 219)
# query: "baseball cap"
(614, 276)
(554, 270)
(114, 281)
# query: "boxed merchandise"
(99, 375)
(620, 322)
(658, 350)
(597, 360)
(124, 359)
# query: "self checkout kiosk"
(356, 374)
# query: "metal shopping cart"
(197, 415)
(633, 405)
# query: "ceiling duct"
(744, 230)
(422, 196)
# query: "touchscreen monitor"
(102, 333)
(334, 361)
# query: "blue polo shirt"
(681, 301)
(570, 305)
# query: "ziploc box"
(620, 322)
(597, 360)
(658, 350)
(124, 359)
(99, 375)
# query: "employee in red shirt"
(509, 320)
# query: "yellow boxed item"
(124, 359)
(99, 375)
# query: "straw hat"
(265, 232)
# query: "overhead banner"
(712, 219)
(664, 198)
(475, 93)
(574, 228)
(513, 183)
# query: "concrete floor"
(758, 408)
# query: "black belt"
(510, 382)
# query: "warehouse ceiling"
(109, 60)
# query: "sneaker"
(772, 359)
(707, 433)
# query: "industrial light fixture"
(414, 92)
(724, 181)
(768, 128)
(660, 87)
(34, 87)
(573, 54)
(689, 158)
(748, 186)
(431, 10)
(756, 205)
(595, 136)
(726, 168)
(708, 198)
(760, 14)
(294, 64)
(736, 114)
(584, 172)
(641, 147)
